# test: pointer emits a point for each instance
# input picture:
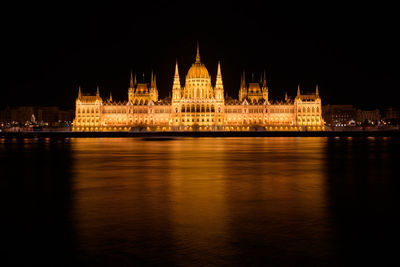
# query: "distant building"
(339, 115)
(368, 116)
(391, 113)
(49, 116)
(391, 116)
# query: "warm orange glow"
(198, 106)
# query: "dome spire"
(198, 53)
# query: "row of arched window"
(198, 108)
(87, 110)
(308, 109)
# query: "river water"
(199, 201)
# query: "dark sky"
(351, 51)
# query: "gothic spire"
(218, 82)
(110, 97)
(264, 80)
(98, 91)
(316, 91)
(198, 53)
(177, 82)
(243, 83)
(176, 69)
(79, 92)
(298, 89)
(131, 82)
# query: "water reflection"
(201, 200)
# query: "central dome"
(198, 81)
(198, 70)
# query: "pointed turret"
(110, 97)
(286, 98)
(243, 89)
(264, 82)
(98, 92)
(176, 69)
(152, 80)
(298, 90)
(177, 82)
(79, 93)
(219, 76)
(153, 88)
(198, 53)
(265, 87)
(316, 91)
(243, 81)
(131, 90)
(131, 84)
(176, 87)
(219, 87)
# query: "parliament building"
(198, 105)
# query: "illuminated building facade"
(198, 106)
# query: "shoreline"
(49, 134)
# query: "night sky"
(352, 52)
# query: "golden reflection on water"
(188, 197)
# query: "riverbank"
(45, 134)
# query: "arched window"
(313, 109)
(308, 109)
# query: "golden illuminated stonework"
(198, 106)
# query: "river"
(279, 201)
